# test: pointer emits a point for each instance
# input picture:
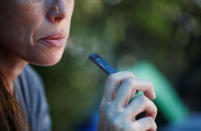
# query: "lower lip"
(55, 42)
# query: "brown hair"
(12, 116)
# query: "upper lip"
(52, 36)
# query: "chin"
(46, 61)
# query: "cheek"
(28, 20)
(18, 23)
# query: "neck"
(11, 66)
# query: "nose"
(57, 12)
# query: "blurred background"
(125, 32)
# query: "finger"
(113, 82)
(128, 88)
(144, 86)
(125, 92)
(139, 105)
(144, 124)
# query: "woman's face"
(35, 30)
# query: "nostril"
(56, 14)
(55, 17)
(58, 19)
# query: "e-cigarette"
(102, 64)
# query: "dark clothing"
(30, 94)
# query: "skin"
(115, 112)
(24, 22)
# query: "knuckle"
(143, 99)
(131, 74)
(129, 82)
(112, 77)
(151, 120)
(116, 76)
(130, 85)
(149, 85)
(135, 126)
(128, 74)
(155, 108)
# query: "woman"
(35, 32)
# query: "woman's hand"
(117, 114)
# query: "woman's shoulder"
(31, 95)
(31, 76)
(31, 83)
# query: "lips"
(55, 40)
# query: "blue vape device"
(102, 64)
